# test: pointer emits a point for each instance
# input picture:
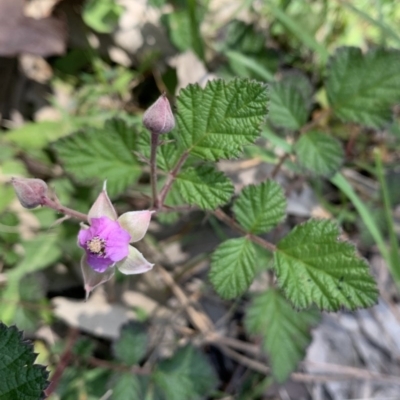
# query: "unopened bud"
(30, 192)
(159, 118)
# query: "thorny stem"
(234, 225)
(64, 210)
(170, 179)
(153, 168)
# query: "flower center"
(96, 246)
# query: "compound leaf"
(20, 378)
(362, 87)
(217, 121)
(287, 108)
(285, 332)
(319, 153)
(204, 186)
(101, 154)
(186, 376)
(233, 267)
(259, 208)
(313, 266)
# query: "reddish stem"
(64, 210)
(64, 361)
(171, 178)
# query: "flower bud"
(30, 192)
(159, 118)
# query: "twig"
(353, 372)
(198, 319)
(248, 362)
(342, 372)
(278, 166)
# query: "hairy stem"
(64, 210)
(170, 179)
(153, 168)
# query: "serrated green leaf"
(186, 376)
(204, 186)
(217, 121)
(101, 154)
(125, 386)
(233, 267)
(132, 344)
(313, 266)
(20, 378)
(285, 332)
(362, 88)
(319, 153)
(287, 108)
(259, 208)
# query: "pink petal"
(136, 223)
(135, 263)
(102, 207)
(91, 278)
(83, 236)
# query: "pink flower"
(107, 242)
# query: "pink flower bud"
(30, 192)
(159, 118)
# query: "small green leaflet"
(20, 377)
(285, 332)
(313, 266)
(233, 267)
(287, 108)
(132, 343)
(186, 376)
(101, 154)
(217, 121)
(260, 208)
(319, 153)
(204, 186)
(362, 88)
